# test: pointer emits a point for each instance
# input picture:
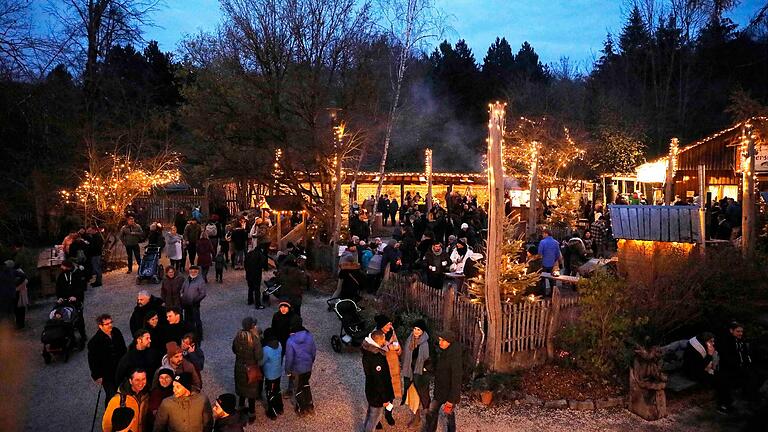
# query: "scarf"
(409, 369)
(697, 346)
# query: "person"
(186, 411)
(532, 260)
(300, 353)
(105, 349)
(192, 352)
(468, 233)
(461, 253)
(391, 257)
(448, 375)
(156, 236)
(139, 356)
(180, 223)
(212, 232)
(204, 254)
(170, 290)
(191, 236)
(255, 263)
(220, 263)
(70, 287)
(192, 294)
(131, 394)
(121, 419)
(174, 360)
(176, 327)
(145, 302)
(392, 351)
(549, 249)
(723, 231)
(599, 237)
(393, 207)
(131, 235)
(15, 292)
(576, 254)
(227, 418)
(248, 354)
(415, 367)
(437, 263)
(736, 362)
(378, 383)
(93, 252)
(173, 247)
(281, 323)
(239, 237)
(699, 365)
(197, 215)
(272, 368)
(162, 387)
(295, 281)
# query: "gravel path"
(61, 396)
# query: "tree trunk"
(748, 195)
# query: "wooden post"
(669, 184)
(449, 297)
(279, 235)
(534, 186)
(748, 192)
(495, 234)
(428, 171)
(702, 210)
(554, 322)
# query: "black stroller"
(58, 336)
(150, 268)
(353, 329)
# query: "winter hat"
(172, 348)
(420, 323)
(185, 379)
(122, 418)
(284, 303)
(381, 320)
(166, 371)
(464, 226)
(227, 403)
(448, 335)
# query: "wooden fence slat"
(685, 225)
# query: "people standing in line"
(162, 387)
(248, 355)
(192, 352)
(255, 263)
(415, 372)
(227, 418)
(176, 327)
(140, 355)
(191, 236)
(174, 360)
(300, 353)
(205, 253)
(186, 411)
(448, 376)
(174, 243)
(154, 326)
(93, 253)
(170, 290)
(70, 287)
(392, 351)
(131, 394)
(105, 349)
(145, 302)
(192, 294)
(131, 235)
(273, 371)
(378, 383)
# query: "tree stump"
(646, 385)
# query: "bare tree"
(24, 52)
(410, 24)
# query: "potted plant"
(484, 386)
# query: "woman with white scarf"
(416, 363)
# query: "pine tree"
(635, 36)
(527, 65)
(498, 67)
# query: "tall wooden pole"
(428, 171)
(495, 234)
(748, 192)
(534, 184)
(669, 184)
(702, 210)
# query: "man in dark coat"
(393, 207)
(699, 366)
(146, 302)
(255, 263)
(736, 362)
(70, 287)
(105, 349)
(93, 252)
(448, 374)
(139, 356)
(436, 264)
(176, 328)
(294, 282)
(281, 322)
(378, 383)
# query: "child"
(221, 263)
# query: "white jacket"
(458, 261)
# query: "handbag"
(254, 374)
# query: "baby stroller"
(353, 329)
(58, 336)
(150, 268)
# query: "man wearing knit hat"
(226, 415)
(174, 360)
(448, 374)
(186, 411)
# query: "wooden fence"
(526, 326)
(164, 208)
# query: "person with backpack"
(212, 230)
(132, 394)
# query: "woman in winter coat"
(205, 254)
(170, 290)
(154, 326)
(273, 371)
(173, 245)
(162, 387)
(248, 352)
(416, 363)
(393, 351)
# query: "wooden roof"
(286, 203)
(655, 223)
(717, 151)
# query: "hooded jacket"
(300, 352)
(273, 360)
(186, 414)
(138, 402)
(448, 374)
(378, 383)
(192, 291)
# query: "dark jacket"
(378, 383)
(192, 232)
(255, 263)
(147, 359)
(248, 352)
(193, 291)
(95, 245)
(131, 235)
(104, 353)
(231, 423)
(734, 354)
(448, 374)
(281, 325)
(204, 252)
(295, 281)
(173, 332)
(170, 291)
(71, 284)
(140, 313)
(694, 364)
